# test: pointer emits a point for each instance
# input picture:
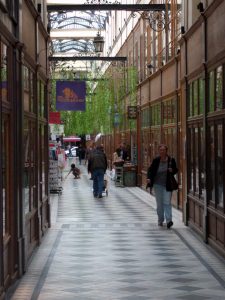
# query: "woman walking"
(159, 175)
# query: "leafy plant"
(104, 99)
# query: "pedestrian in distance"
(159, 175)
(97, 166)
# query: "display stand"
(119, 176)
(54, 177)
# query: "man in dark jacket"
(97, 165)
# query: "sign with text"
(70, 95)
(132, 112)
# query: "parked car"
(73, 151)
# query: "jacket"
(97, 160)
(152, 170)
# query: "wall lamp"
(200, 7)
(150, 66)
(98, 43)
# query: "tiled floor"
(111, 248)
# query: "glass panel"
(219, 87)
(5, 171)
(196, 161)
(195, 98)
(191, 154)
(201, 95)
(220, 170)
(211, 171)
(211, 91)
(32, 108)
(4, 73)
(26, 81)
(32, 166)
(26, 183)
(43, 180)
(41, 99)
(190, 113)
(164, 107)
(202, 162)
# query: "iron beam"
(103, 58)
(101, 7)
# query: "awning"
(71, 139)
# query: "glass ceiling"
(76, 20)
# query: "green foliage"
(102, 102)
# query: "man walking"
(97, 165)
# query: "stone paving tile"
(113, 249)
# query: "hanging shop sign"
(70, 95)
(132, 112)
(54, 117)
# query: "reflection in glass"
(220, 171)
(195, 98)
(211, 91)
(196, 159)
(4, 73)
(201, 95)
(4, 174)
(191, 154)
(202, 162)
(26, 182)
(211, 171)
(219, 88)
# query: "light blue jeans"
(163, 201)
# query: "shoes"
(169, 224)
(95, 195)
(160, 224)
(100, 196)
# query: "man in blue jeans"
(97, 165)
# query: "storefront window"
(211, 91)
(169, 111)
(145, 118)
(26, 177)
(156, 114)
(212, 167)
(190, 112)
(220, 169)
(41, 98)
(28, 81)
(5, 173)
(195, 98)
(4, 72)
(201, 95)
(196, 159)
(219, 88)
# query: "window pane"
(196, 161)
(191, 166)
(202, 162)
(211, 171)
(190, 100)
(195, 98)
(211, 91)
(5, 173)
(26, 182)
(201, 95)
(220, 170)
(4, 73)
(219, 87)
